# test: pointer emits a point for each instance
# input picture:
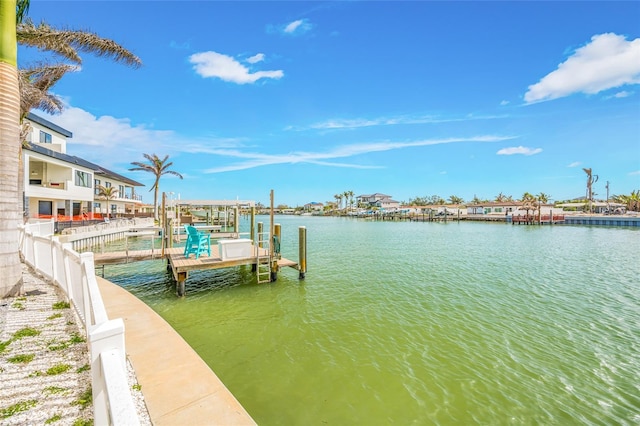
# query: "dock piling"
(302, 252)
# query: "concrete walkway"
(178, 387)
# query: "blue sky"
(312, 99)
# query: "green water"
(421, 323)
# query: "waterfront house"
(493, 208)
(313, 206)
(64, 186)
(381, 201)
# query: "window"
(121, 191)
(83, 179)
(45, 137)
(498, 210)
(96, 184)
(96, 207)
(107, 184)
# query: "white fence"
(74, 273)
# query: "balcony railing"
(53, 185)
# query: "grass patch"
(136, 387)
(25, 332)
(18, 305)
(83, 422)
(76, 338)
(3, 345)
(61, 305)
(58, 369)
(58, 346)
(21, 298)
(83, 368)
(21, 359)
(17, 408)
(52, 419)
(54, 316)
(52, 390)
(84, 400)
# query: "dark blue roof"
(48, 124)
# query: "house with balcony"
(64, 186)
(313, 206)
(381, 201)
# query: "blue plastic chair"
(197, 242)
(186, 245)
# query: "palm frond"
(22, 8)
(67, 43)
(35, 83)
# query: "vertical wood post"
(164, 221)
(302, 252)
(272, 257)
(253, 225)
(236, 222)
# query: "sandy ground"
(44, 360)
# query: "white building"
(64, 186)
(378, 200)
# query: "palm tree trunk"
(155, 203)
(10, 269)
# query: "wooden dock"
(181, 265)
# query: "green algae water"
(421, 323)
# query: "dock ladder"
(263, 258)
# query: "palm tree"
(350, 194)
(107, 194)
(455, 200)
(591, 179)
(338, 198)
(10, 269)
(500, 198)
(632, 201)
(158, 167)
(528, 203)
(544, 198)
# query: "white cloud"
(636, 173)
(342, 123)
(114, 142)
(299, 26)
(519, 150)
(607, 62)
(259, 159)
(623, 94)
(289, 28)
(574, 164)
(226, 68)
(259, 57)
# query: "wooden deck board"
(179, 262)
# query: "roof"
(98, 170)
(48, 124)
